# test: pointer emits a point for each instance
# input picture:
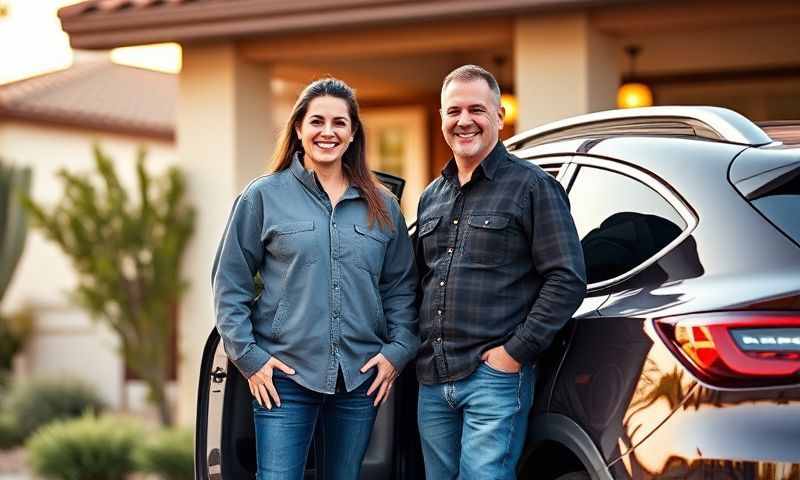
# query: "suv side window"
(621, 221)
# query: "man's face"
(471, 119)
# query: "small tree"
(127, 253)
(15, 183)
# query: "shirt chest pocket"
(295, 242)
(368, 248)
(427, 236)
(486, 239)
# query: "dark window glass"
(782, 207)
(621, 221)
(552, 170)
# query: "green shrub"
(86, 448)
(168, 453)
(10, 435)
(38, 402)
(15, 331)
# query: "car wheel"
(574, 476)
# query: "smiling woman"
(336, 321)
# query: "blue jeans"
(474, 428)
(284, 434)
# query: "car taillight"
(736, 349)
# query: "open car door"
(224, 434)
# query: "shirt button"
(455, 222)
(441, 284)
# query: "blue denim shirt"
(336, 291)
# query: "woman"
(336, 320)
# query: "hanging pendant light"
(507, 99)
(633, 93)
(510, 105)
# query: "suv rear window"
(782, 207)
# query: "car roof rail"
(708, 123)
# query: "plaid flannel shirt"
(500, 263)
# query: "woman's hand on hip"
(261, 385)
(384, 380)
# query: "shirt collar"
(487, 168)
(309, 180)
(306, 177)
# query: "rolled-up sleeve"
(239, 255)
(558, 257)
(398, 283)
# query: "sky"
(32, 43)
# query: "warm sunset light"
(34, 27)
(165, 57)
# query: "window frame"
(684, 210)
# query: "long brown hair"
(354, 159)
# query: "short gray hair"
(468, 73)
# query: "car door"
(224, 437)
(628, 222)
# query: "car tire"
(574, 476)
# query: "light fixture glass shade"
(632, 95)
(509, 103)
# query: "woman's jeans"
(474, 428)
(284, 434)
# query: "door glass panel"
(397, 143)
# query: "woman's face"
(326, 130)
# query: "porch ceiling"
(101, 24)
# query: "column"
(225, 138)
(563, 67)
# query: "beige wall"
(226, 134)
(66, 341)
(563, 67)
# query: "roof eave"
(163, 133)
(195, 22)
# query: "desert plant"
(15, 330)
(14, 185)
(168, 453)
(86, 448)
(35, 403)
(127, 252)
(10, 435)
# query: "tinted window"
(782, 207)
(621, 221)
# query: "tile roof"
(97, 94)
(786, 131)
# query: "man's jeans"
(474, 428)
(284, 434)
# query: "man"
(501, 271)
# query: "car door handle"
(218, 375)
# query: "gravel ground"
(12, 465)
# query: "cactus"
(15, 183)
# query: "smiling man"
(501, 271)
